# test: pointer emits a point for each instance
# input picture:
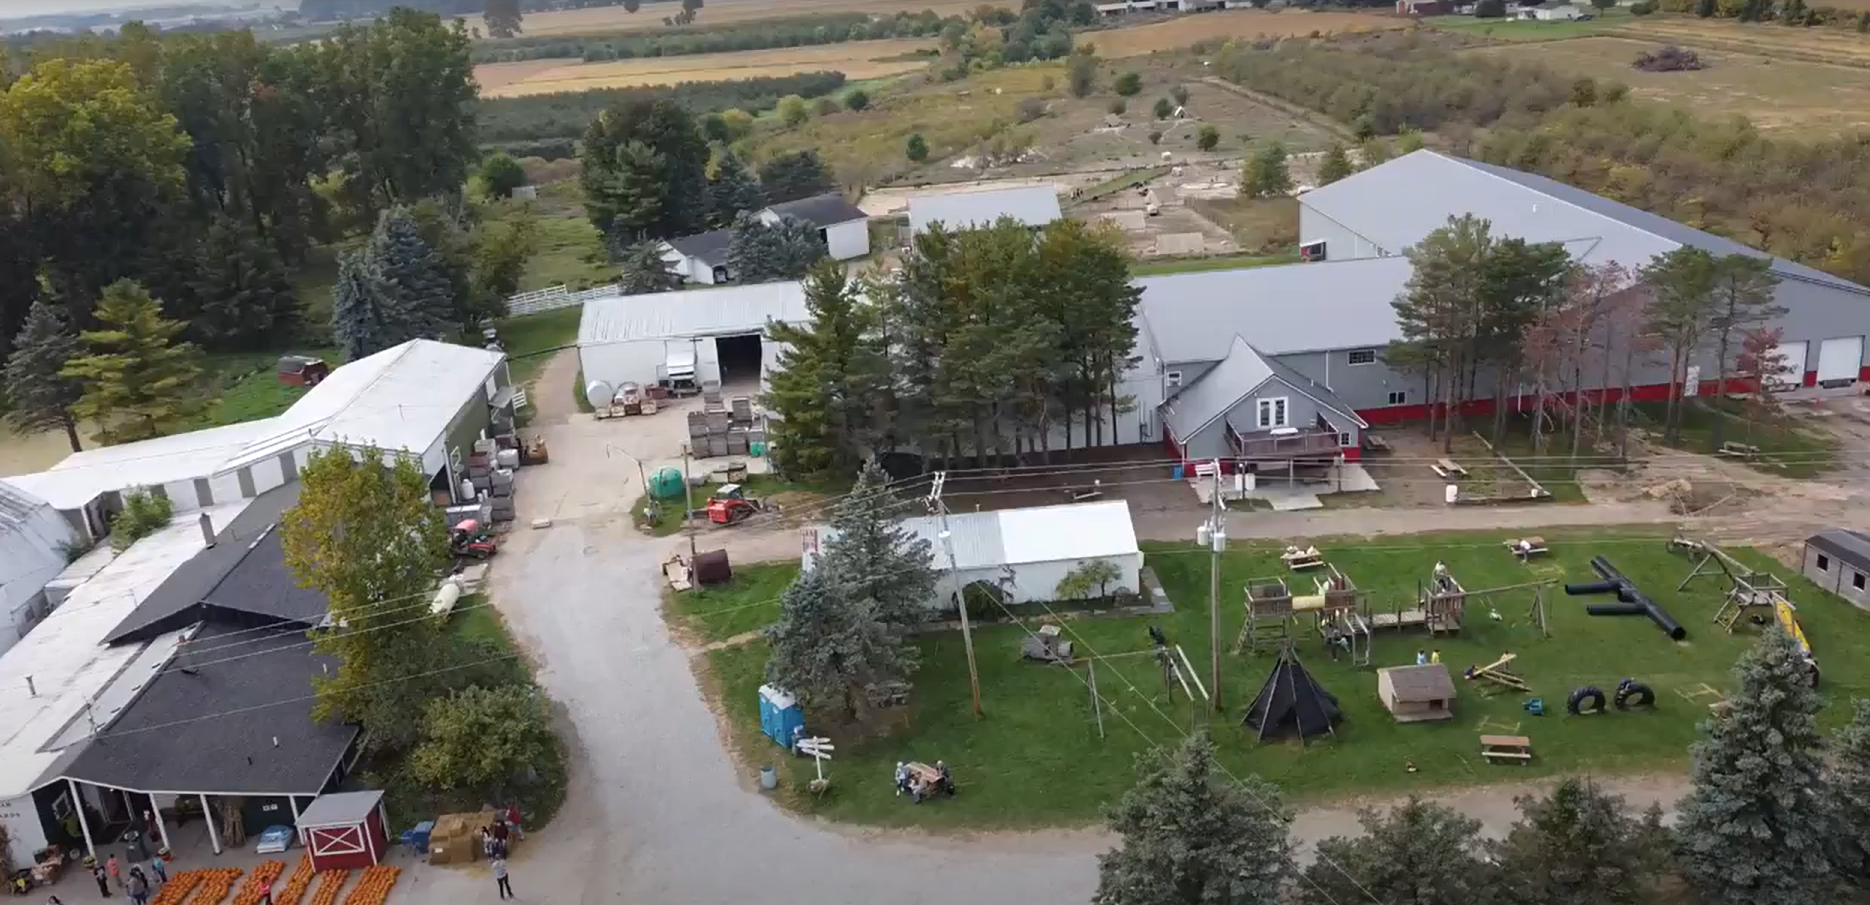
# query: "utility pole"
(688, 504)
(940, 508)
(1217, 541)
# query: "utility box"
(780, 717)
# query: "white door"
(1792, 374)
(1839, 359)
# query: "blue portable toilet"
(780, 717)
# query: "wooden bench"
(1506, 748)
(1448, 468)
(1739, 450)
(1299, 560)
(1375, 442)
(1527, 547)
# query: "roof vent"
(207, 530)
(1535, 207)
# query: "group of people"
(919, 786)
(494, 839)
(135, 885)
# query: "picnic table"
(1506, 747)
(1448, 468)
(1527, 547)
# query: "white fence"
(555, 297)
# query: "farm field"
(1183, 31)
(616, 20)
(1038, 758)
(1825, 45)
(1802, 99)
(1526, 30)
(856, 59)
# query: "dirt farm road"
(659, 811)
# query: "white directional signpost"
(819, 749)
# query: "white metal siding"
(267, 475)
(25, 834)
(1840, 358)
(1794, 356)
(848, 240)
(226, 488)
(635, 361)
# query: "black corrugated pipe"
(1634, 601)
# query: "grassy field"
(1520, 30)
(856, 59)
(748, 603)
(1037, 757)
(247, 387)
(616, 20)
(1825, 45)
(1786, 448)
(1184, 31)
(1790, 96)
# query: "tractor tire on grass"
(1575, 705)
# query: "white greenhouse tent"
(1024, 553)
(33, 539)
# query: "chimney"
(30, 689)
(207, 530)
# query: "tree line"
(1775, 816)
(1484, 315)
(1795, 13)
(1804, 200)
(566, 115)
(789, 31)
(989, 343)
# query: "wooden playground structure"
(1749, 591)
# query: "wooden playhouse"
(1415, 694)
(345, 830)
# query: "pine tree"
(1681, 307)
(1419, 853)
(1335, 166)
(39, 396)
(1191, 836)
(1576, 846)
(359, 326)
(830, 381)
(800, 174)
(1267, 174)
(730, 191)
(412, 281)
(1849, 781)
(138, 381)
(246, 300)
(878, 559)
(1758, 826)
(644, 270)
(1742, 301)
(762, 253)
(828, 645)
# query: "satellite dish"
(598, 391)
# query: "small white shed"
(32, 553)
(1024, 553)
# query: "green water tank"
(665, 484)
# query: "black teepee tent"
(1291, 699)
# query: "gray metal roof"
(1033, 205)
(340, 808)
(1286, 309)
(1238, 376)
(821, 210)
(710, 247)
(1851, 546)
(683, 314)
(1399, 202)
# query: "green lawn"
(1786, 448)
(246, 385)
(765, 487)
(748, 603)
(529, 341)
(1036, 759)
(1528, 30)
(1155, 266)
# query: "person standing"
(160, 869)
(116, 872)
(499, 876)
(137, 888)
(103, 880)
(512, 818)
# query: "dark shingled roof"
(1851, 546)
(243, 575)
(226, 726)
(821, 210)
(710, 246)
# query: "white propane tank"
(445, 597)
(467, 490)
(1452, 492)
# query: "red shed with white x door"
(345, 830)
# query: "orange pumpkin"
(329, 882)
(296, 885)
(373, 888)
(259, 882)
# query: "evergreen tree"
(763, 253)
(1267, 174)
(1191, 836)
(502, 18)
(359, 325)
(830, 379)
(626, 200)
(1849, 782)
(246, 300)
(1335, 166)
(730, 191)
(138, 381)
(916, 148)
(1576, 846)
(1681, 308)
(1743, 301)
(646, 172)
(828, 646)
(1758, 826)
(644, 270)
(414, 281)
(39, 397)
(800, 174)
(1419, 853)
(878, 559)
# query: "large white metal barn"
(699, 334)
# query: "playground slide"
(1783, 610)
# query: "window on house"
(1398, 397)
(1312, 251)
(1857, 580)
(1345, 440)
(1272, 412)
(1362, 356)
(1824, 563)
(1173, 378)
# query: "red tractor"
(730, 505)
(469, 541)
